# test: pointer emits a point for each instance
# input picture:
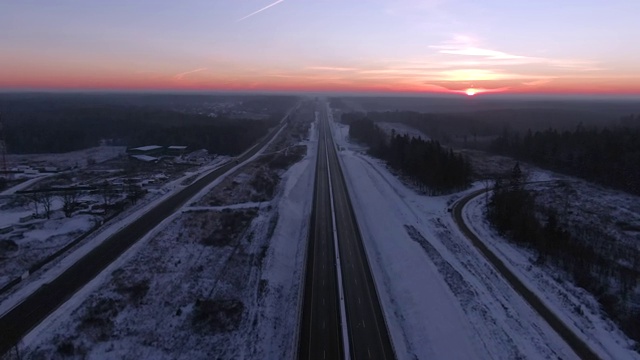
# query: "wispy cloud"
(470, 48)
(182, 75)
(331, 68)
(259, 11)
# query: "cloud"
(331, 68)
(182, 75)
(537, 82)
(486, 53)
(468, 48)
(259, 11)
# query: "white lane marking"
(343, 311)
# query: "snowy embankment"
(440, 297)
(575, 306)
(284, 264)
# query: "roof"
(147, 148)
(145, 158)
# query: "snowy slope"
(575, 306)
(284, 264)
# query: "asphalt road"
(320, 333)
(368, 336)
(577, 344)
(36, 307)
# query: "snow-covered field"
(213, 282)
(441, 298)
(38, 238)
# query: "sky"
(405, 46)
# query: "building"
(150, 150)
(176, 150)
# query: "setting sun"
(471, 91)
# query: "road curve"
(17, 322)
(582, 350)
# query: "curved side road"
(577, 345)
(18, 321)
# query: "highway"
(582, 350)
(320, 335)
(367, 334)
(17, 322)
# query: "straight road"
(577, 344)
(320, 335)
(17, 322)
(367, 334)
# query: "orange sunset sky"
(433, 46)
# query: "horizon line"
(363, 93)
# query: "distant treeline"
(609, 156)
(465, 128)
(603, 267)
(432, 167)
(56, 129)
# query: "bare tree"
(108, 193)
(69, 201)
(34, 200)
(46, 199)
(134, 192)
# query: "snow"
(164, 255)
(23, 185)
(440, 297)
(51, 271)
(283, 265)
(77, 224)
(13, 217)
(559, 294)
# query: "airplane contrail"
(181, 75)
(259, 11)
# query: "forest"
(475, 128)
(593, 263)
(56, 126)
(608, 156)
(430, 166)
